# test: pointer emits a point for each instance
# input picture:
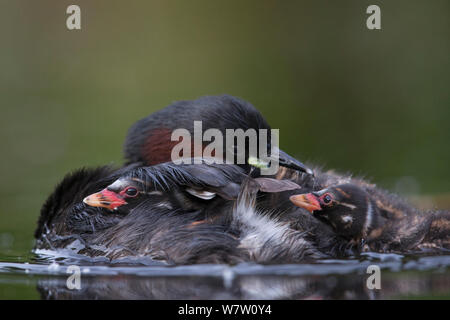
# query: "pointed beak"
(286, 160)
(306, 201)
(104, 199)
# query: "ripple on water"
(143, 278)
(46, 262)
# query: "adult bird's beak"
(105, 199)
(286, 160)
(306, 201)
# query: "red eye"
(131, 192)
(327, 198)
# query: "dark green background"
(375, 103)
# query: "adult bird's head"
(149, 140)
(347, 208)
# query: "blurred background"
(375, 103)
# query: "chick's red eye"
(131, 192)
(327, 198)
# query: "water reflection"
(246, 287)
(402, 276)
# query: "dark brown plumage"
(203, 213)
(375, 219)
(149, 140)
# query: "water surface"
(44, 274)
